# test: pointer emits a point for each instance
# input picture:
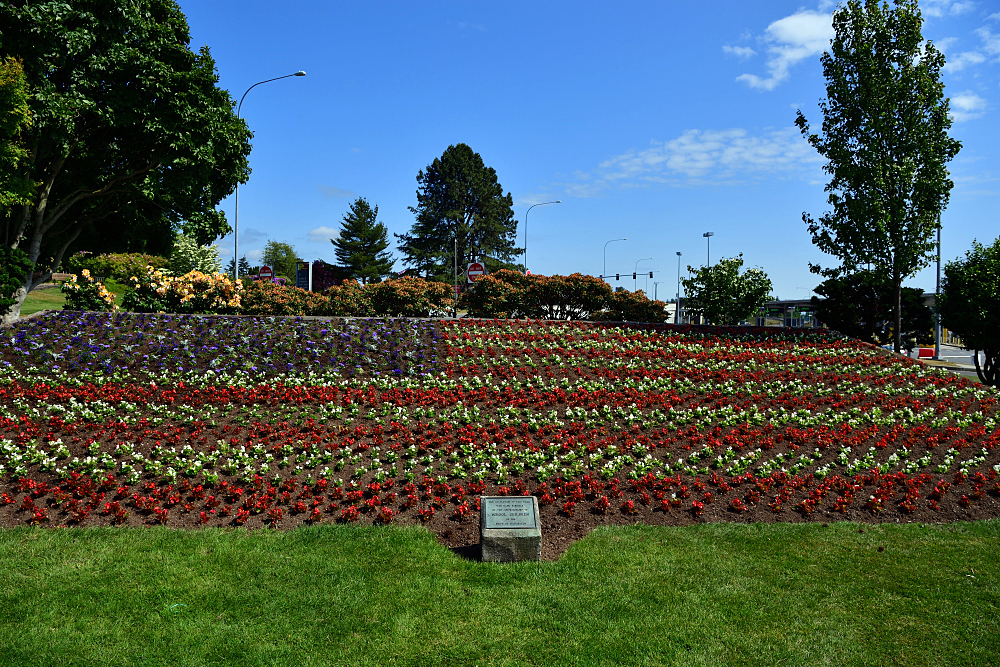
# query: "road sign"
(265, 273)
(474, 271)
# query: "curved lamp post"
(236, 216)
(635, 270)
(604, 273)
(558, 201)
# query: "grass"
(711, 594)
(53, 298)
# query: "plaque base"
(509, 529)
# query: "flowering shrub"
(188, 256)
(410, 297)
(496, 295)
(119, 267)
(349, 299)
(262, 297)
(87, 294)
(625, 306)
(194, 292)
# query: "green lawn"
(53, 298)
(779, 594)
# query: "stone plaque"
(509, 529)
(507, 512)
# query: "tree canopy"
(885, 139)
(361, 245)
(860, 305)
(15, 118)
(969, 305)
(722, 295)
(459, 199)
(129, 126)
(282, 259)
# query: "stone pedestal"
(509, 529)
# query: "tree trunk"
(897, 312)
(989, 371)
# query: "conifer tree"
(361, 246)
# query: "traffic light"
(618, 276)
(650, 274)
(633, 276)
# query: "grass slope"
(708, 594)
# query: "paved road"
(956, 359)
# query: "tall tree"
(129, 124)
(885, 139)
(969, 305)
(281, 258)
(722, 295)
(15, 118)
(459, 201)
(361, 245)
(860, 305)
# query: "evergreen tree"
(361, 245)
(885, 139)
(459, 201)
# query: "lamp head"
(300, 73)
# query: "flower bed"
(185, 420)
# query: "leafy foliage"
(15, 117)
(14, 265)
(281, 258)
(193, 292)
(130, 127)
(572, 297)
(411, 297)
(188, 255)
(459, 200)
(626, 306)
(722, 295)
(885, 139)
(860, 305)
(261, 297)
(85, 293)
(969, 305)
(119, 267)
(362, 242)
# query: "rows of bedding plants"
(139, 419)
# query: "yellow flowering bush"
(194, 292)
(85, 293)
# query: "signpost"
(265, 273)
(473, 271)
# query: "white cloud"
(741, 52)
(254, 256)
(704, 157)
(790, 40)
(333, 192)
(322, 234)
(966, 106)
(940, 8)
(959, 61)
(991, 42)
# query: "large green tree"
(860, 305)
(361, 246)
(969, 305)
(281, 257)
(130, 128)
(459, 200)
(885, 139)
(723, 295)
(15, 118)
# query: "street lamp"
(708, 238)
(236, 216)
(558, 201)
(937, 299)
(635, 270)
(604, 274)
(677, 307)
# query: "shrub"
(262, 297)
(628, 306)
(87, 294)
(498, 294)
(572, 297)
(194, 292)
(188, 256)
(14, 266)
(410, 297)
(119, 267)
(349, 299)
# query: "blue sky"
(654, 121)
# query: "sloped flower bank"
(130, 419)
